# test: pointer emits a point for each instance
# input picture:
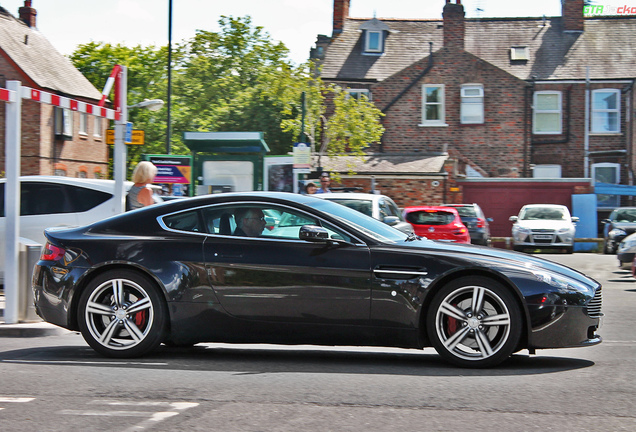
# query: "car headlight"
(521, 230)
(563, 283)
(627, 245)
(564, 230)
(617, 232)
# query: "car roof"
(434, 208)
(99, 184)
(351, 195)
(545, 205)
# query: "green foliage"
(236, 79)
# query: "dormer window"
(519, 53)
(374, 35)
(373, 41)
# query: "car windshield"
(626, 215)
(543, 213)
(465, 211)
(371, 227)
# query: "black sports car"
(293, 269)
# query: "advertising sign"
(172, 169)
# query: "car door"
(276, 277)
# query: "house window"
(519, 53)
(607, 173)
(97, 129)
(82, 172)
(606, 112)
(433, 105)
(83, 124)
(373, 41)
(472, 107)
(547, 112)
(63, 123)
(358, 93)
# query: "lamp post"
(120, 151)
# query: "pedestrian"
(140, 194)
(325, 183)
(311, 188)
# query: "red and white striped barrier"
(60, 101)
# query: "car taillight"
(481, 223)
(52, 253)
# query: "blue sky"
(68, 23)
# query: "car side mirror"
(490, 219)
(391, 220)
(606, 221)
(514, 218)
(575, 219)
(313, 233)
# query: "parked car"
(477, 223)
(325, 274)
(437, 223)
(379, 207)
(620, 223)
(49, 201)
(543, 226)
(626, 250)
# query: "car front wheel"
(474, 322)
(121, 314)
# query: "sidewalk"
(30, 329)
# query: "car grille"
(594, 307)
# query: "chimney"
(27, 14)
(454, 28)
(340, 13)
(572, 12)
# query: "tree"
(236, 79)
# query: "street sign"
(136, 137)
(129, 130)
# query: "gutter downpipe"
(586, 136)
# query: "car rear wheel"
(474, 322)
(121, 314)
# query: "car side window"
(278, 222)
(83, 199)
(185, 221)
(43, 198)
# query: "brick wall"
(498, 145)
(40, 150)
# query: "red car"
(437, 223)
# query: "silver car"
(379, 207)
(542, 226)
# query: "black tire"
(605, 248)
(569, 249)
(474, 335)
(518, 248)
(122, 314)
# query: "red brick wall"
(498, 146)
(40, 150)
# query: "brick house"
(500, 97)
(55, 141)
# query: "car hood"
(544, 224)
(506, 261)
(627, 226)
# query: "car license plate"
(542, 237)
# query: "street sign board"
(137, 137)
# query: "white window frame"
(367, 41)
(595, 121)
(63, 123)
(97, 126)
(558, 112)
(441, 104)
(608, 201)
(83, 123)
(356, 93)
(472, 100)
